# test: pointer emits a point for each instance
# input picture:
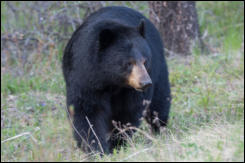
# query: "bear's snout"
(145, 84)
(139, 78)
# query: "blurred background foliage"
(34, 31)
(37, 31)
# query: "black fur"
(96, 64)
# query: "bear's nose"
(145, 84)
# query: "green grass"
(207, 113)
(206, 121)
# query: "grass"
(207, 113)
(206, 121)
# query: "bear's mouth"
(143, 88)
(138, 89)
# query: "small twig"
(88, 156)
(91, 126)
(134, 154)
(123, 133)
(138, 130)
(20, 135)
(75, 129)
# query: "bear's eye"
(130, 63)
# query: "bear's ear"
(141, 28)
(106, 38)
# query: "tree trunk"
(177, 22)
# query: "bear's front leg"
(158, 112)
(90, 132)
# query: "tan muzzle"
(139, 77)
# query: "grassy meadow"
(207, 112)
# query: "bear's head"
(124, 56)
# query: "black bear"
(114, 69)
